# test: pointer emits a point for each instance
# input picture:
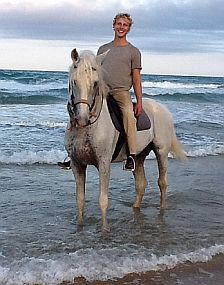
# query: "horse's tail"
(177, 149)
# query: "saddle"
(142, 123)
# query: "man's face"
(121, 27)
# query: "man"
(122, 66)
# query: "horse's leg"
(80, 178)
(140, 181)
(162, 160)
(104, 176)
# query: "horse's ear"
(100, 57)
(74, 55)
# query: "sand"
(209, 273)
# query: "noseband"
(82, 101)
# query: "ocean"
(39, 241)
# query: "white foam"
(101, 264)
(205, 151)
(172, 85)
(32, 157)
(53, 156)
(47, 124)
(13, 86)
(212, 150)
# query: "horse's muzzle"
(79, 121)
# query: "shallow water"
(41, 244)
(39, 241)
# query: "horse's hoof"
(105, 230)
(161, 211)
(162, 207)
(136, 209)
(80, 228)
(80, 223)
(136, 206)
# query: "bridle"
(94, 113)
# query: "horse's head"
(84, 81)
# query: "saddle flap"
(143, 122)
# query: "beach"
(208, 273)
(211, 270)
(39, 240)
(200, 265)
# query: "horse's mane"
(87, 64)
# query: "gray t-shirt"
(118, 65)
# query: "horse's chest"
(82, 149)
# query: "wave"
(14, 86)
(179, 85)
(29, 157)
(187, 89)
(27, 87)
(100, 265)
(40, 124)
(206, 151)
(14, 79)
(186, 96)
(51, 157)
(61, 95)
(33, 99)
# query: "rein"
(94, 105)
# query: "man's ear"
(100, 57)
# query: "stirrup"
(129, 164)
(65, 164)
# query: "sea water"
(39, 242)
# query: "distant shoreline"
(143, 73)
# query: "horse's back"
(164, 134)
(156, 110)
(161, 121)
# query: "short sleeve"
(136, 59)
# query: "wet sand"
(209, 273)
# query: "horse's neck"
(104, 121)
(104, 114)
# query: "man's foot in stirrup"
(65, 164)
(130, 163)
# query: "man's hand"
(137, 85)
(138, 109)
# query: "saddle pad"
(142, 123)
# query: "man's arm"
(137, 85)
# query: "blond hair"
(125, 16)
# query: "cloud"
(182, 41)
(183, 15)
(168, 25)
(65, 20)
(59, 18)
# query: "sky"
(183, 37)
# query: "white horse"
(91, 137)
